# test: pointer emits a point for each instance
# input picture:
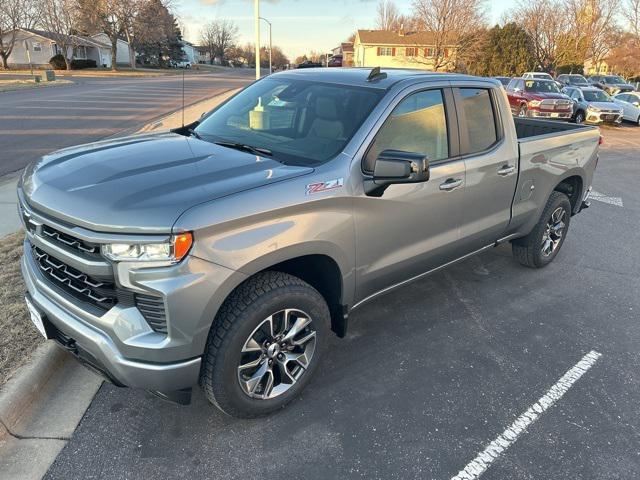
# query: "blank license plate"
(36, 317)
(555, 114)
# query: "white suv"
(537, 75)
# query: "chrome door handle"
(506, 170)
(450, 184)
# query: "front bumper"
(603, 117)
(553, 115)
(96, 348)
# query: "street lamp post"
(270, 45)
(256, 13)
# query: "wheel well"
(572, 188)
(323, 274)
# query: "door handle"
(506, 170)
(450, 184)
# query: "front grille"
(70, 242)
(101, 294)
(152, 309)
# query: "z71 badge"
(324, 186)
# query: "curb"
(19, 393)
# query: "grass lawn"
(9, 85)
(19, 337)
(120, 72)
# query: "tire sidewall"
(559, 200)
(228, 360)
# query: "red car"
(335, 61)
(529, 97)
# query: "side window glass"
(477, 110)
(417, 124)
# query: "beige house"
(399, 49)
(36, 47)
(596, 68)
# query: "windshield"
(577, 80)
(541, 86)
(613, 79)
(299, 122)
(544, 76)
(596, 96)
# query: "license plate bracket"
(38, 318)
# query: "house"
(189, 52)
(36, 47)
(123, 53)
(596, 68)
(344, 50)
(202, 55)
(400, 49)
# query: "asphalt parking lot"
(431, 374)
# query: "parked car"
(630, 103)
(335, 61)
(611, 84)
(537, 75)
(538, 98)
(503, 80)
(592, 105)
(181, 64)
(309, 64)
(572, 80)
(224, 253)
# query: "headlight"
(534, 103)
(172, 251)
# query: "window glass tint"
(477, 110)
(418, 124)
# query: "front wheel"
(579, 118)
(522, 112)
(265, 345)
(540, 247)
(638, 121)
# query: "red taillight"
(601, 140)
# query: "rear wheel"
(265, 345)
(541, 246)
(579, 118)
(638, 121)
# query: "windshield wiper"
(246, 148)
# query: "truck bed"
(528, 127)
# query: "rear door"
(490, 154)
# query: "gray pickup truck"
(226, 252)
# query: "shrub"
(78, 64)
(57, 62)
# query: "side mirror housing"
(394, 167)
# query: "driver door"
(411, 228)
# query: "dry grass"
(10, 85)
(18, 337)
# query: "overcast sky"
(298, 25)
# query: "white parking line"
(601, 197)
(479, 465)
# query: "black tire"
(579, 117)
(638, 122)
(242, 313)
(529, 250)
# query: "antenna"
(183, 97)
(376, 74)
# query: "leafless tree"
(14, 14)
(61, 19)
(546, 26)
(103, 16)
(591, 27)
(218, 36)
(631, 12)
(389, 17)
(453, 24)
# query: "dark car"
(612, 84)
(572, 80)
(503, 80)
(309, 64)
(335, 61)
(529, 97)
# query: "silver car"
(630, 103)
(592, 105)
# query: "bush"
(78, 64)
(57, 62)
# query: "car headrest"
(326, 108)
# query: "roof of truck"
(358, 76)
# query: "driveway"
(37, 121)
(431, 374)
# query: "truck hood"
(545, 96)
(142, 184)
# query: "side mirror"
(517, 89)
(636, 104)
(394, 167)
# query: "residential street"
(429, 374)
(37, 121)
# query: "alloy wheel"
(276, 354)
(579, 117)
(523, 111)
(553, 232)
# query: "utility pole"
(270, 45)
(256, 14)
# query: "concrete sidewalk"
(9, 221)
